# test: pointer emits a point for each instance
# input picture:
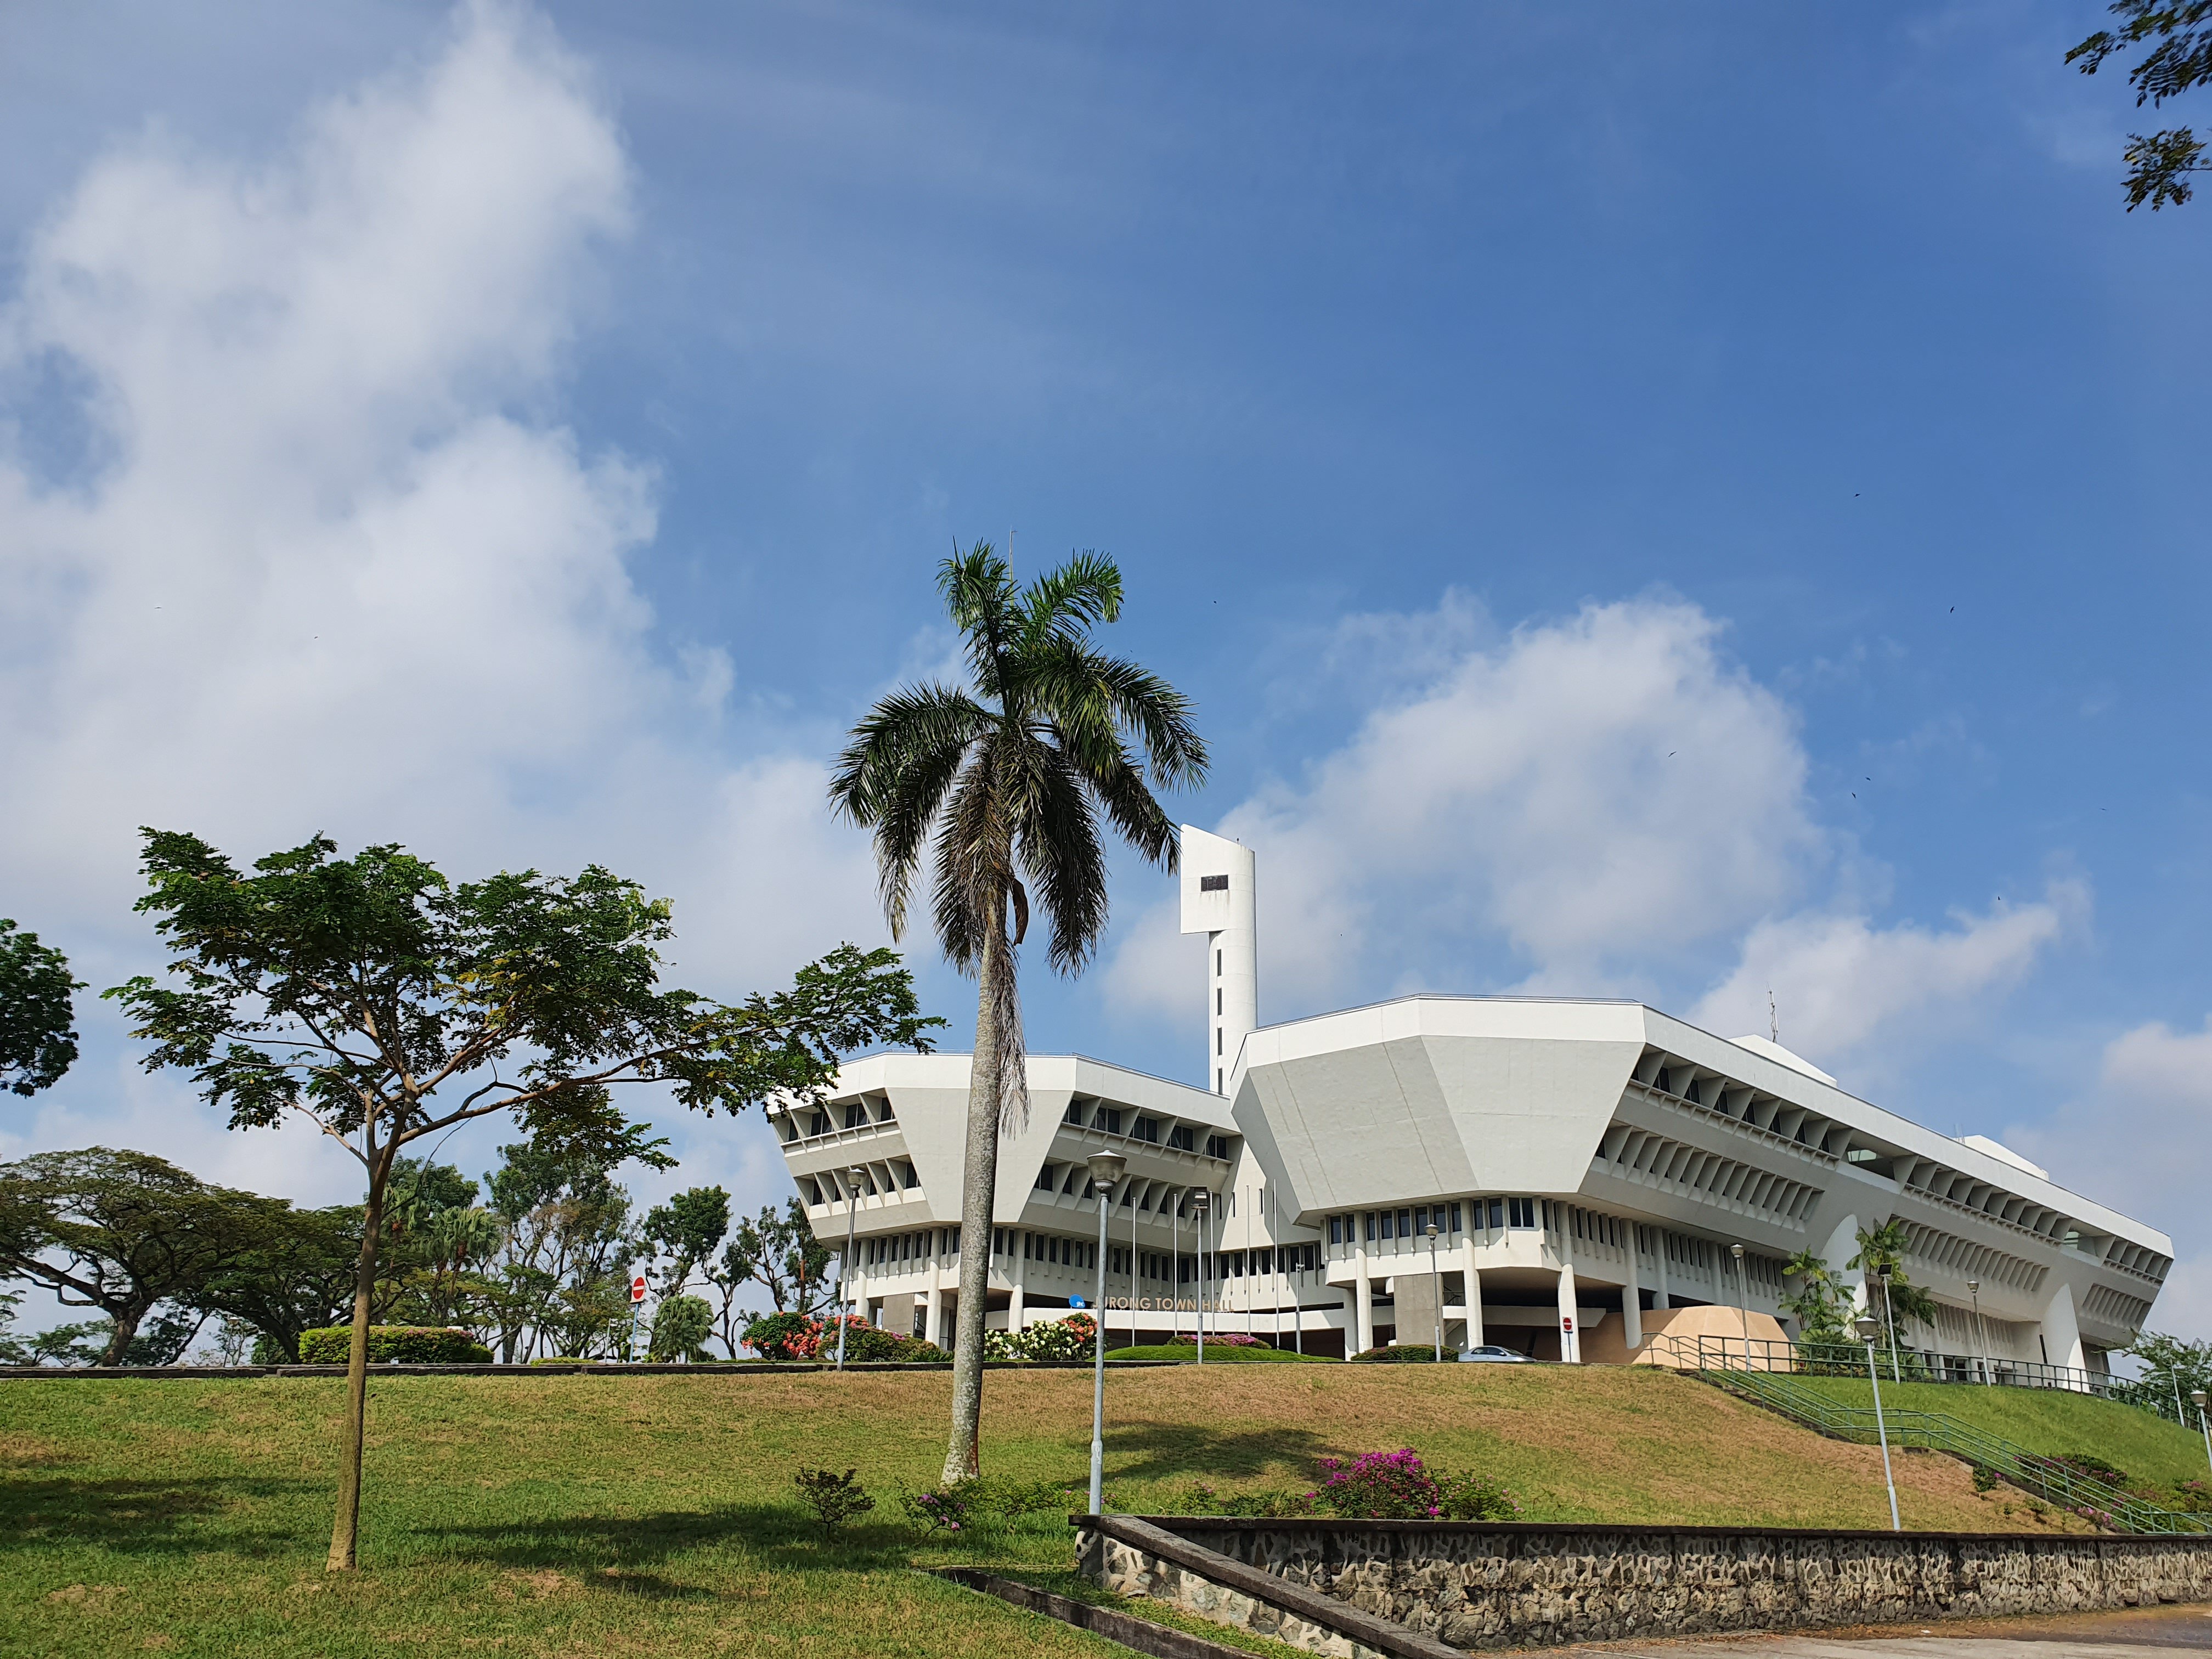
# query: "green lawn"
(582, 1514)
(2051, 1421)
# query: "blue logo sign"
(1076, 1302)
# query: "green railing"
(1769, 1374)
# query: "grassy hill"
(2051, 1421)
(655, 1515)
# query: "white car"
(1490, 1352)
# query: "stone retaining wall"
(1480, 1584)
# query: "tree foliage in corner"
(38, 1027)
(2161, 165)
(122, 1231)
(380, 1003)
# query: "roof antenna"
(1773, 1020)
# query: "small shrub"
(1985, 1478)
(1226, 1339)
(267, 1351)
(784, 1336)
(1398, 1354)
(917, 1352)
(997, 1345)
(949, 1509)
(559, 1359)
(1071, 1338)
(1475, 1498)
(409, 1344)
(2096, 1468)
(834, 1498)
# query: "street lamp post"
(1981, 1330)
(1105, 1170)
(2197, 1398)
(1742, 1303)
(1436, 1284)
(1868, 1329)
(852, 1179)
(1198, 1208)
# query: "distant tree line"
(534, 1260)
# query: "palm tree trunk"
(979, 1185)
(346, 1530)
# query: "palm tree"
(1882, 1256)
(1002, 784)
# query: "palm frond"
(1060, 848)
(968, 892)
(894, 775)
(982, 599)
(1136, 815)
(1159, 717)
(1081, 593)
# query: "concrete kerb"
(1162, 1641)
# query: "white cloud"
(328, 560)
(2146, 1131)
(1836, 979)
(1594, 791)
(1598, 804)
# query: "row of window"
(854, 1114)
(1415, 1220)
(1010, 1242)
(911, 1247)
(1182, 1137)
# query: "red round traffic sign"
(637, 1288)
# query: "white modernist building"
(1560, 1176)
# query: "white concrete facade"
(1587, 1166)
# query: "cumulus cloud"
(1603, 803)
(2145, 1131)
(1590, 791)
(1841, 978)
(319, 553)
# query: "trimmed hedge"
(1398, 1354)
(407, 1344)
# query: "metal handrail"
(1763, 1372)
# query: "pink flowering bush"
(1381, 1487)
(1224, 1339)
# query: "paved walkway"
(2152, 1633)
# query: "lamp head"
(1433, 1230)
(855, 1176)
(2197, 1397)
(1973, 1287)
(1868, 1329)
(1198, 1201)
(1882, 1273)
(1736, 1250)
(1106, 1167)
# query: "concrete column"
(1570, 1341)
(1474, 1338)
(1632, 1299)
(2062, 1332)
(1021, 1281)
(1660, 1298)
(1363, 1304)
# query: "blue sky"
(1661, 503)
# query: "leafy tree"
(381, 1004)
(562, 1273)
(1881, 1251)
(2159, 167)
(131, 1229)
(38, 1027)
(688, 1230)
(2173, 1370)
(681, 1325)
(1008, 777)
(780, 1253)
